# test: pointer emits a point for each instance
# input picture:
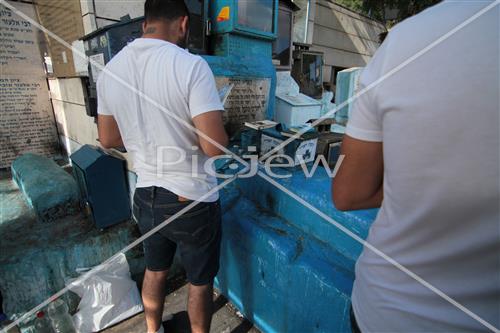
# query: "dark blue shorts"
(197, 233)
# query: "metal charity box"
(102, 180)
(300, 150)
(296, 110)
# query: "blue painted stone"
(284, 267)
(47, 188)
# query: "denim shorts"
(197, 233)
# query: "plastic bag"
(107, 297)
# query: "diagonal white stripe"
(142, 95)
(104, 264)
(342, 228)
(378, 252)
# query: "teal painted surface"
(215, 8)
(36, 258)
(232, 26)
(241, 53)
(48, 189)
(243, 46)
(103, 185)
(284, 267)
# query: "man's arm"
(206, 108)
(210, 123)
(359, 181)
(109, 133)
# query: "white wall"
(348, 39)
(99, 13)
(70, 113)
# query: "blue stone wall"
(285, 268)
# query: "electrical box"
(103, 44)
(251, 18)
(329, 143)
(307, 70)
(102, 180)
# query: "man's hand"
(109, 134)
(210, 123)
(359, 181)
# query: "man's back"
(162, 88)
(438, 119)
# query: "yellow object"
(223, 14)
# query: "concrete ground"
(225, 319)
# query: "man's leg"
(200, 307)
(159, 251)
(198, 236)
(153, 298)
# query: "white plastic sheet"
(286, 85)
(326, 104)
(107, 297)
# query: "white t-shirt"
(438, 119)
(165, 152)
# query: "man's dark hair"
(165, 10)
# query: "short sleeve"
(365, 122)
(102, 109)
(203, 95)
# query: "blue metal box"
(301, 150)
(103, 185)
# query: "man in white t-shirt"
(171, 92)
(424, 144)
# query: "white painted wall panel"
(340, 58)
(347, 39)
(67, 90)
(73, 122)
(335, 17)
(89, 23)
(86, 6)
(116, 9)
(100, 13)
(339, 40)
